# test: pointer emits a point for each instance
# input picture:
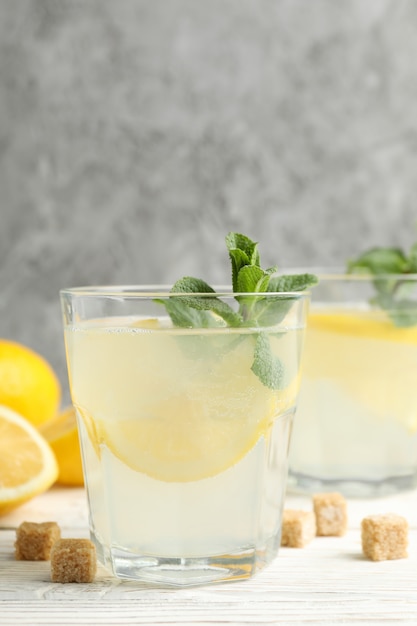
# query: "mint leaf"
(412, 259)
(292, 282)
(204, 304)
(405, 313)
(272, 310)
(188, 284)
(391, 292)
(380, 261)
(239, 259)
(185, 316)
(252, 279)
(236, 241)
(242, 251)
(267, 367)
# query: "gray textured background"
(134, 134)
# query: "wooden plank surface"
(328, 582)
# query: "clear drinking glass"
(184, 430)
(356, 425)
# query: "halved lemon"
(62, 435)
(27, 464)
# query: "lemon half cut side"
(27, 463)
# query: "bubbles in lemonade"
(176, 431)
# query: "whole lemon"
(28, 384)
(62, 435)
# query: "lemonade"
(184, 448)
(356, 425)
(185, 398)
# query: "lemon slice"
(361, 324)
(62, 435)
(151, 323)
(183, 449)
(184, 440)
(371, 359)
(27, 464)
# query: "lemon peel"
(28, 384)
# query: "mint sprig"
(391, 292)
(254, 311)
(198, 311)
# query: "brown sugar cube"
(384, 537)
(298, 528)
(34, 541)
(73, 561)
(331, 514)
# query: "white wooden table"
(328, 582)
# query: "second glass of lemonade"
(184, 431)
(356, 425)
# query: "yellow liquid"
(184, 448)
(357, 412)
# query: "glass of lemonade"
(184, 439)
(356, 425)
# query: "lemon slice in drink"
(181, 444)
(361, 324)
(375, 361)
(27, 464)
(202, 428)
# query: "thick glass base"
(186, 572)
(352, 486)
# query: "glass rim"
(339, 273)
(163, 291)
